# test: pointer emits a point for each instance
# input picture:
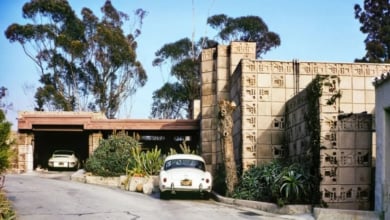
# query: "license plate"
(186, 182)
(61, 163)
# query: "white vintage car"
(184, 173)
(64, 159)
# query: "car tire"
(165, 195)
(205, 195)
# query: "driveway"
(53, 196)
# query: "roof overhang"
(79, 121)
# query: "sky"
(310, 30)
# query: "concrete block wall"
(382, 125)
(24, 148)
(277, 82)
(346, 164)
(208, 126)
(297, 135)
(261, 90)
(217, 66)
(93, 142)
(236, 86)
(345, 155)
(266, 88)
(244, 132)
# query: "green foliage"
(112, 155)
(5, 142)
(153, 161)
(374, 18)
(245, 28)
(294, 183)
(312, 118)
(3, 104)
(80, 58)
(135, 164)
(184, 149)
(144, 163)
(276, 182)
(6, 210)
(258, 183)
(172, 151)
(169, 102)
(333, 98)
(174, 100)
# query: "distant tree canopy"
(174, 100)
(246, 28)
(4, 106)
(374, 17)
(85, 64)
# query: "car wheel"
(165, 195)
(205, 195)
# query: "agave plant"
(294, 183)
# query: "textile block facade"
(264, 90)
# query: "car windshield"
(184, 163)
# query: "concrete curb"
(324, 214)
(297, 212)
(265, 206)
(79, 176)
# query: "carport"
(45, 142)
(40, 133)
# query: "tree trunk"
(226, 109)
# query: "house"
(271, 115)
(382, 124)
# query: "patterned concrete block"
(264, 137)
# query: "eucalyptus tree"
(174, 100)
(245, 28)
(84, 64)
(374, 17)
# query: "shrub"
(145, 163)
(276, 183)
(112, 155)
(153, 161)
(6, 210)
(5, 143)
(258, 183)
(184, 148)
(295, 183)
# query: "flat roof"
(97, 121)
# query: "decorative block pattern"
(265, 90)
